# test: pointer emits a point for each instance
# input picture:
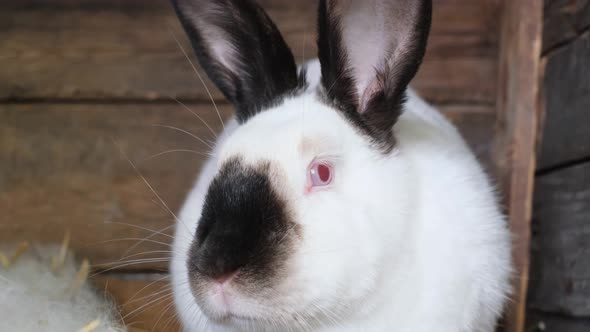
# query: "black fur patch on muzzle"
(244, 225)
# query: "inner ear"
(369, 51)
(242, 52)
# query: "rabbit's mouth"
(234, 306)
(235, 301)
(219, 299)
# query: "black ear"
(242, 52)
(369, 52)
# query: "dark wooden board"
(559, 295)
(566, 133)
(556, 323)
(582, 20)
(117, 50)
(560, 274)
(557, 28)
(563, 21)
(60, 170)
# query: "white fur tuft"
(33, 298)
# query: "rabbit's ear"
(242, 52)
(369, 51)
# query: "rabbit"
(336, 199)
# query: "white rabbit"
(337, 200)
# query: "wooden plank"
(477, 16)
(560, 270)
(445, 81)
(117, 51)
(567, 88)
(563, 21)
(451, 80)
(541, 321)
(582, 16)
(143, 300)
(557, 27)
(518, 92)
(59, 170)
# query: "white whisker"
(147, 286)
(162, 314)
(176, 150)
(198, 75)
(185, 132)
(150, 187)
(164, 290)
(125, 265)
(147, 253)
(153, 234)
(138, 310)
(140, 260)
(140, 227)
(195, 114)
(134, 239)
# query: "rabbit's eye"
(320, 173)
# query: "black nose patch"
(244, 225)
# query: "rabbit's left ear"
(242, 52)
(369, 52)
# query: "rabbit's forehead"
(298, 128)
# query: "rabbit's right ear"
(369, 51)
(242, 52)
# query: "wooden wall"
(560, 275)
(87, 112)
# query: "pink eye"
(320, 174)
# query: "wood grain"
(556, 323)
(567, 87)
(518, 98)
(560, 274)
(87, 51)
(560, 270)
(564, 20)
(74, 74)
(60, 169)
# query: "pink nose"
(226, 278)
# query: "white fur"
(33, 298)
(411, 241)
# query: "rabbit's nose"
(226, 278)
(219, 256)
